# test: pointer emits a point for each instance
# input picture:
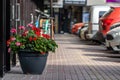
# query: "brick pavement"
(75, 60)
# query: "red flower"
(17, 43)
(34, 38)
(42, 52)
(29, 25)
(34, 28)
(12, 38)
(8, 42)
(30, 39)
(21, 27)
(13, 30)
(25, 33)
(46, 36)
(37, 33)
(9, 50)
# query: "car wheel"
(86, 32)
(79, 33)
(109, 48)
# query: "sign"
(55, 3)
(75, 2)
(95, 2)
(85, 17)
(112, 0)
(112, 3)
(58, 4)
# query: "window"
(108, 12)
(101, 13)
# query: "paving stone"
(74, 59)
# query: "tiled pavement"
(75, 60)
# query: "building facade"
(21, 12)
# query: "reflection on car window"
(108, 12)
(101, 13)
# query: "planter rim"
(27, 52)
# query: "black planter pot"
(32, 62)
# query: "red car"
(110, 18)
(76, 27)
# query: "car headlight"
(116, 34)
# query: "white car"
(83, 32)
(95, 13)
(113, 38)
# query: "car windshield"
(101, 13)
(108, 12)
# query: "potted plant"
(32, 46)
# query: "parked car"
(82, 32)
(106, 21)
(95, 13)
(76, 27)
(113, 37)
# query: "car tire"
(86, 32)
(79, 33)
(109, 48)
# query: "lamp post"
(51, 20)
(51, 9)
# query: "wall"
(95, 2)
(101, 2)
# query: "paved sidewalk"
(75, 60)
